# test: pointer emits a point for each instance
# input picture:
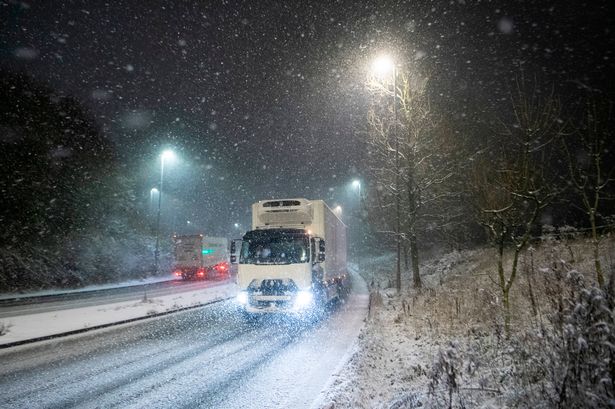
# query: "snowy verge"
(359, 303)
(446, 345)
(47, 324)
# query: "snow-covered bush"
(575, 352)
(445, 376)
(565, 361)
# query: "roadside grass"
(446, 345)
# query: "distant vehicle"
(200, 257)
(293, 259)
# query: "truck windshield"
(283, 249)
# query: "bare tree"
(383, 171)
(588, 150)
(511, 191)
(407, 159)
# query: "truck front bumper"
(296, 302)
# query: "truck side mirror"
(233, 251)
(321, 250)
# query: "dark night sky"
(264, 98)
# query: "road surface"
(204, 358)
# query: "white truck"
(200, 257)
(293, 259)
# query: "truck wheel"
(320, 304)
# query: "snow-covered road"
(209, 357)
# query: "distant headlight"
(242, 297)
(304, 299)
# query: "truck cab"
(282, 261)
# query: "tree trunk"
(529, 275)
(398, 265)
(506, 305)
(504, 287)
(414, 254)
(596, 243)
(406, 255)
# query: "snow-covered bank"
(32, 326)
(446, 345)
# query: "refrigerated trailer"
(200, 257)
(293, 259)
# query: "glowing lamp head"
(383, 65)
(356, 184)
(167, 155)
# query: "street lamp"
(152, 195)
(356, 184)
(166, 155)
(338, 210)
(382, 66)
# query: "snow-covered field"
(446, 344)
(31, 326)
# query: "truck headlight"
(304, 299)
(242, 297)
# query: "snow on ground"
(31, 326)
(129, 283)
(455, 320)
(389, 364)
(386, 366)
(203, 358)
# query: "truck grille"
(276, 287)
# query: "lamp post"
(168, 154)
(338, 211)
(360, 229)
(382, 66)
